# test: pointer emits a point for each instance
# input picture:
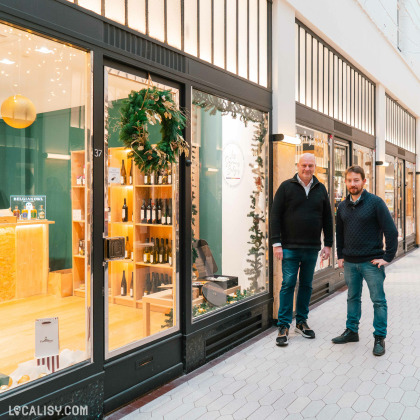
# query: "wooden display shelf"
(78, 186)
(79, 221)
(154, 265)
(124, 300)
(79, 256)
(79, 292)
(27, 223)
(124, 260)
(153, 224)
(122, 223)
(120, 186)
(154, 185)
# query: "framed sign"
(28, 203)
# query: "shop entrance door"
(142, 338)
(400, 207)
(340, 164)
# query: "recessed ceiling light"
(6, 61)
(44, 50)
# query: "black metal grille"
(320, 292)
(144, 48)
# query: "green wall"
(24, 170)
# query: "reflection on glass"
(45, 180)
(142, 291)
(364, 157)
(410, 225)
(229, 202)
(400, 199)
(317, 143)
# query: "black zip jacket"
(361, 227)
(297, 220)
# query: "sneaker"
(379, 346)
(303, 329)
(283, 336)
(348, 336)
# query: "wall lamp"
(286, 139)
(381, 163)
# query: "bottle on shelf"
(128, 251)
(162, 279)
(170, 255)
(16, 212)
(123, 285)
(123, 174)
(124, 212)
(131, 285)
(152, 178)
(33, 213)
(159, 177)
(143, 212)
(146, 253)
(81, 247)
(156, 251)
(169, 212)
(109, 214)
(154, 213)
(41, 213)
(166, 252)
(161, 251)
(131, 173)
(159, 212)
(152, 253)
(149, 211)
(164, 176)
(163, 220)
(146, 179)
(84, 175)
(170, 174)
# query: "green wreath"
(151, 106)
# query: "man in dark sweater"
(363, 220)
(301, 210)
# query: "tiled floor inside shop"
(310, 378)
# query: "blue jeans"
(302, 260)
(354, 273)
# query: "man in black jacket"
(301, 210)
(363, 220)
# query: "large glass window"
(229, 199)
(410, 179)
(317, 143)
(365, 158)
(390, 183)
(141, 207)
(45, 207)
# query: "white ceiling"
(53, 80)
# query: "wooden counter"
(24, 259)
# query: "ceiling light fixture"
(44, 50)
(287, 139)
(6, 61)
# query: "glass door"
(141, 299)
(400, 200)
(341, 163)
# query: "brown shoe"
(283, 336)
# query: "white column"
(418, 181)
(380, 139)
(284, 108)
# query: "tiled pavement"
(315, 379)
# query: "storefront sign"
(26, 205)
(233, 164)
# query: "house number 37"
(98, 152)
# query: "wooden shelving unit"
(137, 232)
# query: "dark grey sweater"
(361, 227)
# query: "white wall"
(349, 29)
(236, 203)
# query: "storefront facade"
(142, 275)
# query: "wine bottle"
(124, 212)
(165, 253)
(169, 213)
(131, 285)
(41, 214)
(159, 212)
(166, 279)
(149, 211)
(152, 178)
(123, 285)
(154, 213)
(146, 179)
(143, 218)
(161, 251)
(162, 280)
(146, 253)
(131, 172)
(160, 177)
(156, 251)
(123, 174)
(170, 175)
(170, 255)
(163, 220)
(148, 284)
(152, 255)
(127, 248)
